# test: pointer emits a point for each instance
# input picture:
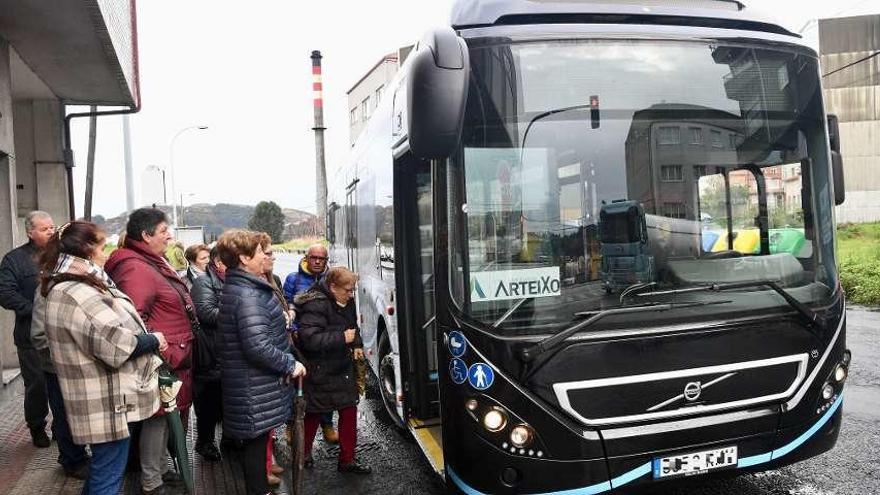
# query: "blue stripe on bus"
(755, 459)
(433, 375)
(797, 442)
(644, 469)
(631, 475)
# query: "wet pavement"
(399, 467)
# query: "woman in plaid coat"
(105, 359)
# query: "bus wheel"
(387, 382)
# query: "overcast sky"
(243, 69)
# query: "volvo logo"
(692, 391)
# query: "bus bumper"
(634, 472)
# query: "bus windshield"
(595, 174)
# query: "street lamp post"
(171, 169)
(183, 208)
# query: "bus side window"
(385, 235)
(339, 224)
(331, 223)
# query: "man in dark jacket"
(163, 302)
(207, 396)
(18, 284)
(312, 268)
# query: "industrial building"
(850, 58)
(364, 96)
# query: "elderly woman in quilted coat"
(104, 356)
(256, 359)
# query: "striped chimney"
(320, 167)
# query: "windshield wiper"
(530, 353)
(510, 311)
(811, 316)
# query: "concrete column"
(42, 178)
(49, 151)
(25, 174)
(8, 356)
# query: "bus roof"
(729, 14)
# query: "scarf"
(74, 265)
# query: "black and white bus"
(471, 209)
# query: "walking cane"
(298, 447)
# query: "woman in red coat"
(163, 302)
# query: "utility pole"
(129, 171)
(320, 167)
(90, 164)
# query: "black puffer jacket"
(254, 353)
(205, 294)
(19, 275)
(330, 383)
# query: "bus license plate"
(694, 463)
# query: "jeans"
(108, 468)
(253, 463)
(327, 419)
(36, 404)
(70, 455)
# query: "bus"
(471, 209)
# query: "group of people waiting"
(93, 331)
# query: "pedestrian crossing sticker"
(457, 344)
(458, 371)
(481, 376)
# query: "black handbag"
(203, 349)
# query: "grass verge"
(859, 262)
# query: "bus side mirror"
(437, 87)
(836, 159)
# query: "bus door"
(414, 248)
(351, 226)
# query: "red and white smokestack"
(320, 168)
(317, 87)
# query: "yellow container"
(745, 241)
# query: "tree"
(268, 218)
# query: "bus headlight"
(521, 436)
(840, 373)
(471, 405)
(495, 420)
(827, 391)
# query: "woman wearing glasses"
(312, 268)
(329, 338)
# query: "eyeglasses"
(318, 258)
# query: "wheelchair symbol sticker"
(458, 371)
(457, 344)
(481, 376)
